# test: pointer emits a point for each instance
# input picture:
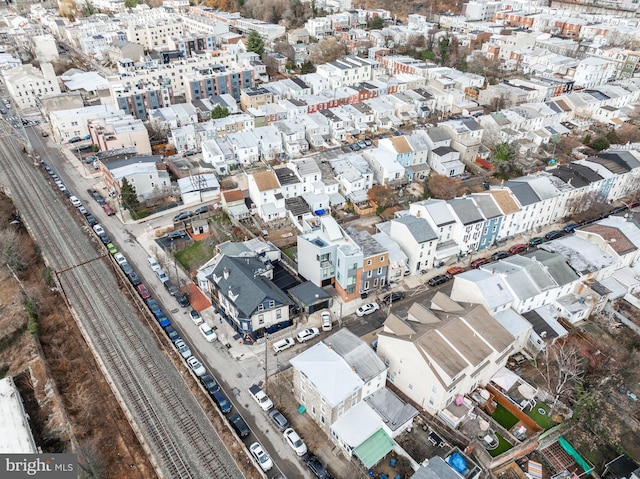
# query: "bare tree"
(327, 50)
(380, 195)
(12, 250)
(585, 207)
(443, 187)
(562, 367)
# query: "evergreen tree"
(219, 111)
(129, 195)
(255, 43)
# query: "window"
(261, 319)
(279, 314)
(381, 258)
(368, 262)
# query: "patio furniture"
(383, 476)
(392, 462)
(436, 440)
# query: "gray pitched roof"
(245, 281)
(356, 353)
(418, 227)
(523, 192)
(466, 210)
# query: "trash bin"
(302, 409)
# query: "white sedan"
(367, 309)
(208, 333)
(307, 334)
(295, 442)
(196, 366)
(261, 456)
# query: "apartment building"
(26, 84)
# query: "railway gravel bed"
(168, 420)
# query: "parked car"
(264, 460)
(45, 134)
(316, 467)
(307, 334)
(278, 419)
(172, 333)
(326, 320)
(143, 291)
(209, 383)
(208, 333)
(518, 248)
(75, 139)
(75, 201)
(367, 308)
(196, 366)
(182, 216)
(153, 263)
(180, 234)
(354, 147)
(393, 297)
(104, 238)
(362, 144)
(196, 318)
(120, 259)
(536, 240)
(238, 424)
(98, 229)
(551, 235)
(107, 209)
(183, 349)
(171, 288)
(222, 402)
(476, 263)
(368, 142)
(91, 220)
(283, 344)
(451, 272)
(162, 276)
(201, 210)
(133, 277)
(111, 248)
(570, 228)
(293, 439)
(438, 280)
(498, 255)
(182, 299)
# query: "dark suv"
(172, 288)
(438, 280)
(239, 425)
(392, 297)
(551, 235)
(498, 255)
(317, 467)
(476, 263)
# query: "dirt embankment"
(70, 405)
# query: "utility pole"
(266, 350)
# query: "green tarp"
(371, 451)
(586, 467)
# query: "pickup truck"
(261, 398)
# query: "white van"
(283, 344)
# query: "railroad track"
(163, 412)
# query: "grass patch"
(503, 446)
(195, 255)
(290, 252)
(32, 310)
(542, 420)
(138, 215)
(503, 417)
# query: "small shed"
(310, 297)
(199, 226)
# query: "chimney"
(330, 346)
(225, 273)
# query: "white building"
(26, 84)
(65, 124)
(444, 351)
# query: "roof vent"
(225, 273)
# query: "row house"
(466, 136)
(138, 98)
(218, 80)
(354, 176)
(116, 133)
(452, 348)
(328, 256)
(375, 260)
(293, 133)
